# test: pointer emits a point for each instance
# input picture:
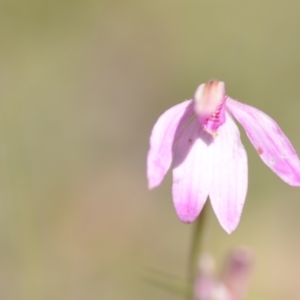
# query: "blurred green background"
(81, 85)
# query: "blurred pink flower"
(202, 140)
(232, 284)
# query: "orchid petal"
(192, 171)
(161, 141)
(230, 178)
(272, 145)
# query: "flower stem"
(195, 250)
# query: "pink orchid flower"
(202, 140)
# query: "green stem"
(195, 250)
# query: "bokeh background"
(81, 85)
